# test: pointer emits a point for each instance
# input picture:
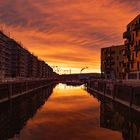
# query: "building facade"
(16, 61)
(132, 49)
(112, 62)
(5, 53)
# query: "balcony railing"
(126, 42)
(136, 27)
(126, 51)
(131, 61)
(131, 42)
(108, 57)
(126, 34)
(127, 70)
(137, 48)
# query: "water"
(70, 113)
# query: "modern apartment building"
(112, 62)
(50, 72)
(40, 68)
(132, 49)
(5, 52)
(16, 61)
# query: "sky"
(68, 33)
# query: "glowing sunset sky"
(68, 33)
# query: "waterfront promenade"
(122, 91)
(10, 89)
(65, 112)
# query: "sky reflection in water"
(69, 114)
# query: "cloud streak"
(63, 31)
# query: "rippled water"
(69, 114)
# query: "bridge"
(78, 79)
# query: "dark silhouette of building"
(16, 61)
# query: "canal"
(63, 112)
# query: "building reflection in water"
(113, 116)
(15, 114)
(120, 118)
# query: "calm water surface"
(70, 113)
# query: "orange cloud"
(68, 33)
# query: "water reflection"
(70, 113)
(14, 114)
(115, 116)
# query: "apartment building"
(39, 68)
(16, 61)
(5, 61)
(50, 72)
(32, 65)
(132, 49)
(112, 62)
(46, 70)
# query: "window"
(128, 28)
(136, 54)
(136, 33)
(132, 76)
(120, 51)
(132, 56)
(133, 37)
(119, 63)
(138, 65)
(136, 43)
(132, 65)
(113, 52)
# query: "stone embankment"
(13, 89)
(124, 92)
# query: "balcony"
(132, 42)
(127, 47)
(108, 57)
(128, 57)
(131, 61)
(137, 48)
(126, 34)
(127, 70)
(136, 27)
(126, 42)
(126, 52)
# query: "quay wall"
(127, 94)
(19, 110)
(10, 90)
